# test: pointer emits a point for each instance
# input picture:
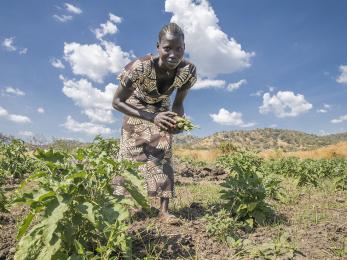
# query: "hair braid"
(172, 28)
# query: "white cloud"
(96, 104)
(23, 51)
(12, 117)
(224, 117)
(284, 104)
(110, 27)
(236, 85)
(72, 9)
(217, 83)
(95, 61)
(209, 83)
(40, 110)
(85, 127)
(8, 44)
(327, 106)
(340, 119)
(14, 91)
(211, 49)
(26, 133)
(62, 18)
(56, 63)
(19, 119)
(342, 79)
(3, 112)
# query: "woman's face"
(171, 51)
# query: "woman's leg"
(164, 206)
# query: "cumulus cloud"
(13, 117)
(19, 119)
(95, 103)
(340, 119)
(62, 18)
(209, 83)
(284, 104)
(110, 27)
(95, 61)
(211, 49)
(218, 83)
(56, 63)
(3, 112)
(40, 110)
(85, 127)
(8, 44)
(342, 79)
(72, 9)
(236, 85)
(13, 91)
(224, 117)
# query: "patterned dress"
(142, 140)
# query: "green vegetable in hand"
(184, 124)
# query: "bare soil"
(314, 219)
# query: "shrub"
(244, 192)
(14, 159)
(73, 200)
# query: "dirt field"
(313, 222)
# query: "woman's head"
(170, 46)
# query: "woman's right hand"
(165, 120)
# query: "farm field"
(237, 205)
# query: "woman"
(143, 95)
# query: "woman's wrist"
(150, 116)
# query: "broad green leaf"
(136, 195)
(25, 224)
(50, 155)
(86, 208)
(81, 174)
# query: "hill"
(261, 139)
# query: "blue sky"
(260, 63)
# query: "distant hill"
(261, 139)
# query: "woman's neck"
(160, 69)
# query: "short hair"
(172, 28)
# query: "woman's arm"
(177, 106)
(162, 119)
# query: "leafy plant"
(223, 226)
(228, 147)
(72, 199)
(14, 159)
(279, 247)
(244, 192)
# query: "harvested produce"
(183, 123)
